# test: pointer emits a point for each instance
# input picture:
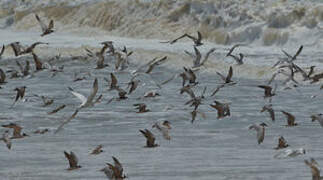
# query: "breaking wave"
(223, 22)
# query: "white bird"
(287, 153)
(86, 102)
(163, 128)
(260, 131)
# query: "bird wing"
(114, 81)
(94, 91)
(175, 40)
(66, 121)
(2, 50)
(199, 36)
(298, 52)
(272, 113)
(198, 57)
(2, 76)
(206, 57)
(229, 76)
(16, 48)
(51, 24)
(42, 24)
(117, 165)
(290, 117)
(74, 160)
(79, 96)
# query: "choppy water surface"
(210, 148)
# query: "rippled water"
(210, 148)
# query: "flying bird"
(20, 50)
(73, 161)
(315, 170)
(46, 29)
(197, 40)
(38, 63)
(86, 102)
(282, 143)
(260, 129)
(114, 172)
(222, 108)
(20, 94)
(270, 110)
(198, 56)
(97, 150)
(142, 108)
(226, 79)
(163, 128)
(150, 143)
(290, 119)
(16, 130)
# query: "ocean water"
(209, 148)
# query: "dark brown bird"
(2, 77)
(268, 91)
(114, 82)
(114, 171)
(97, 150)
(222, 108)
(57, 109)
(282, 143)
(100, 55)
(45, 29)
(198, 56)
(290, 119)
(20, 50)
(270, 110)
(197, 40)
(16, 131)
(188, 75)
(20, 94)
(122, 93)
(314, 169)
(133, 84)
(141, 107)
(38, 63)
(226, 79)
(73, 161)
(150, 138)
